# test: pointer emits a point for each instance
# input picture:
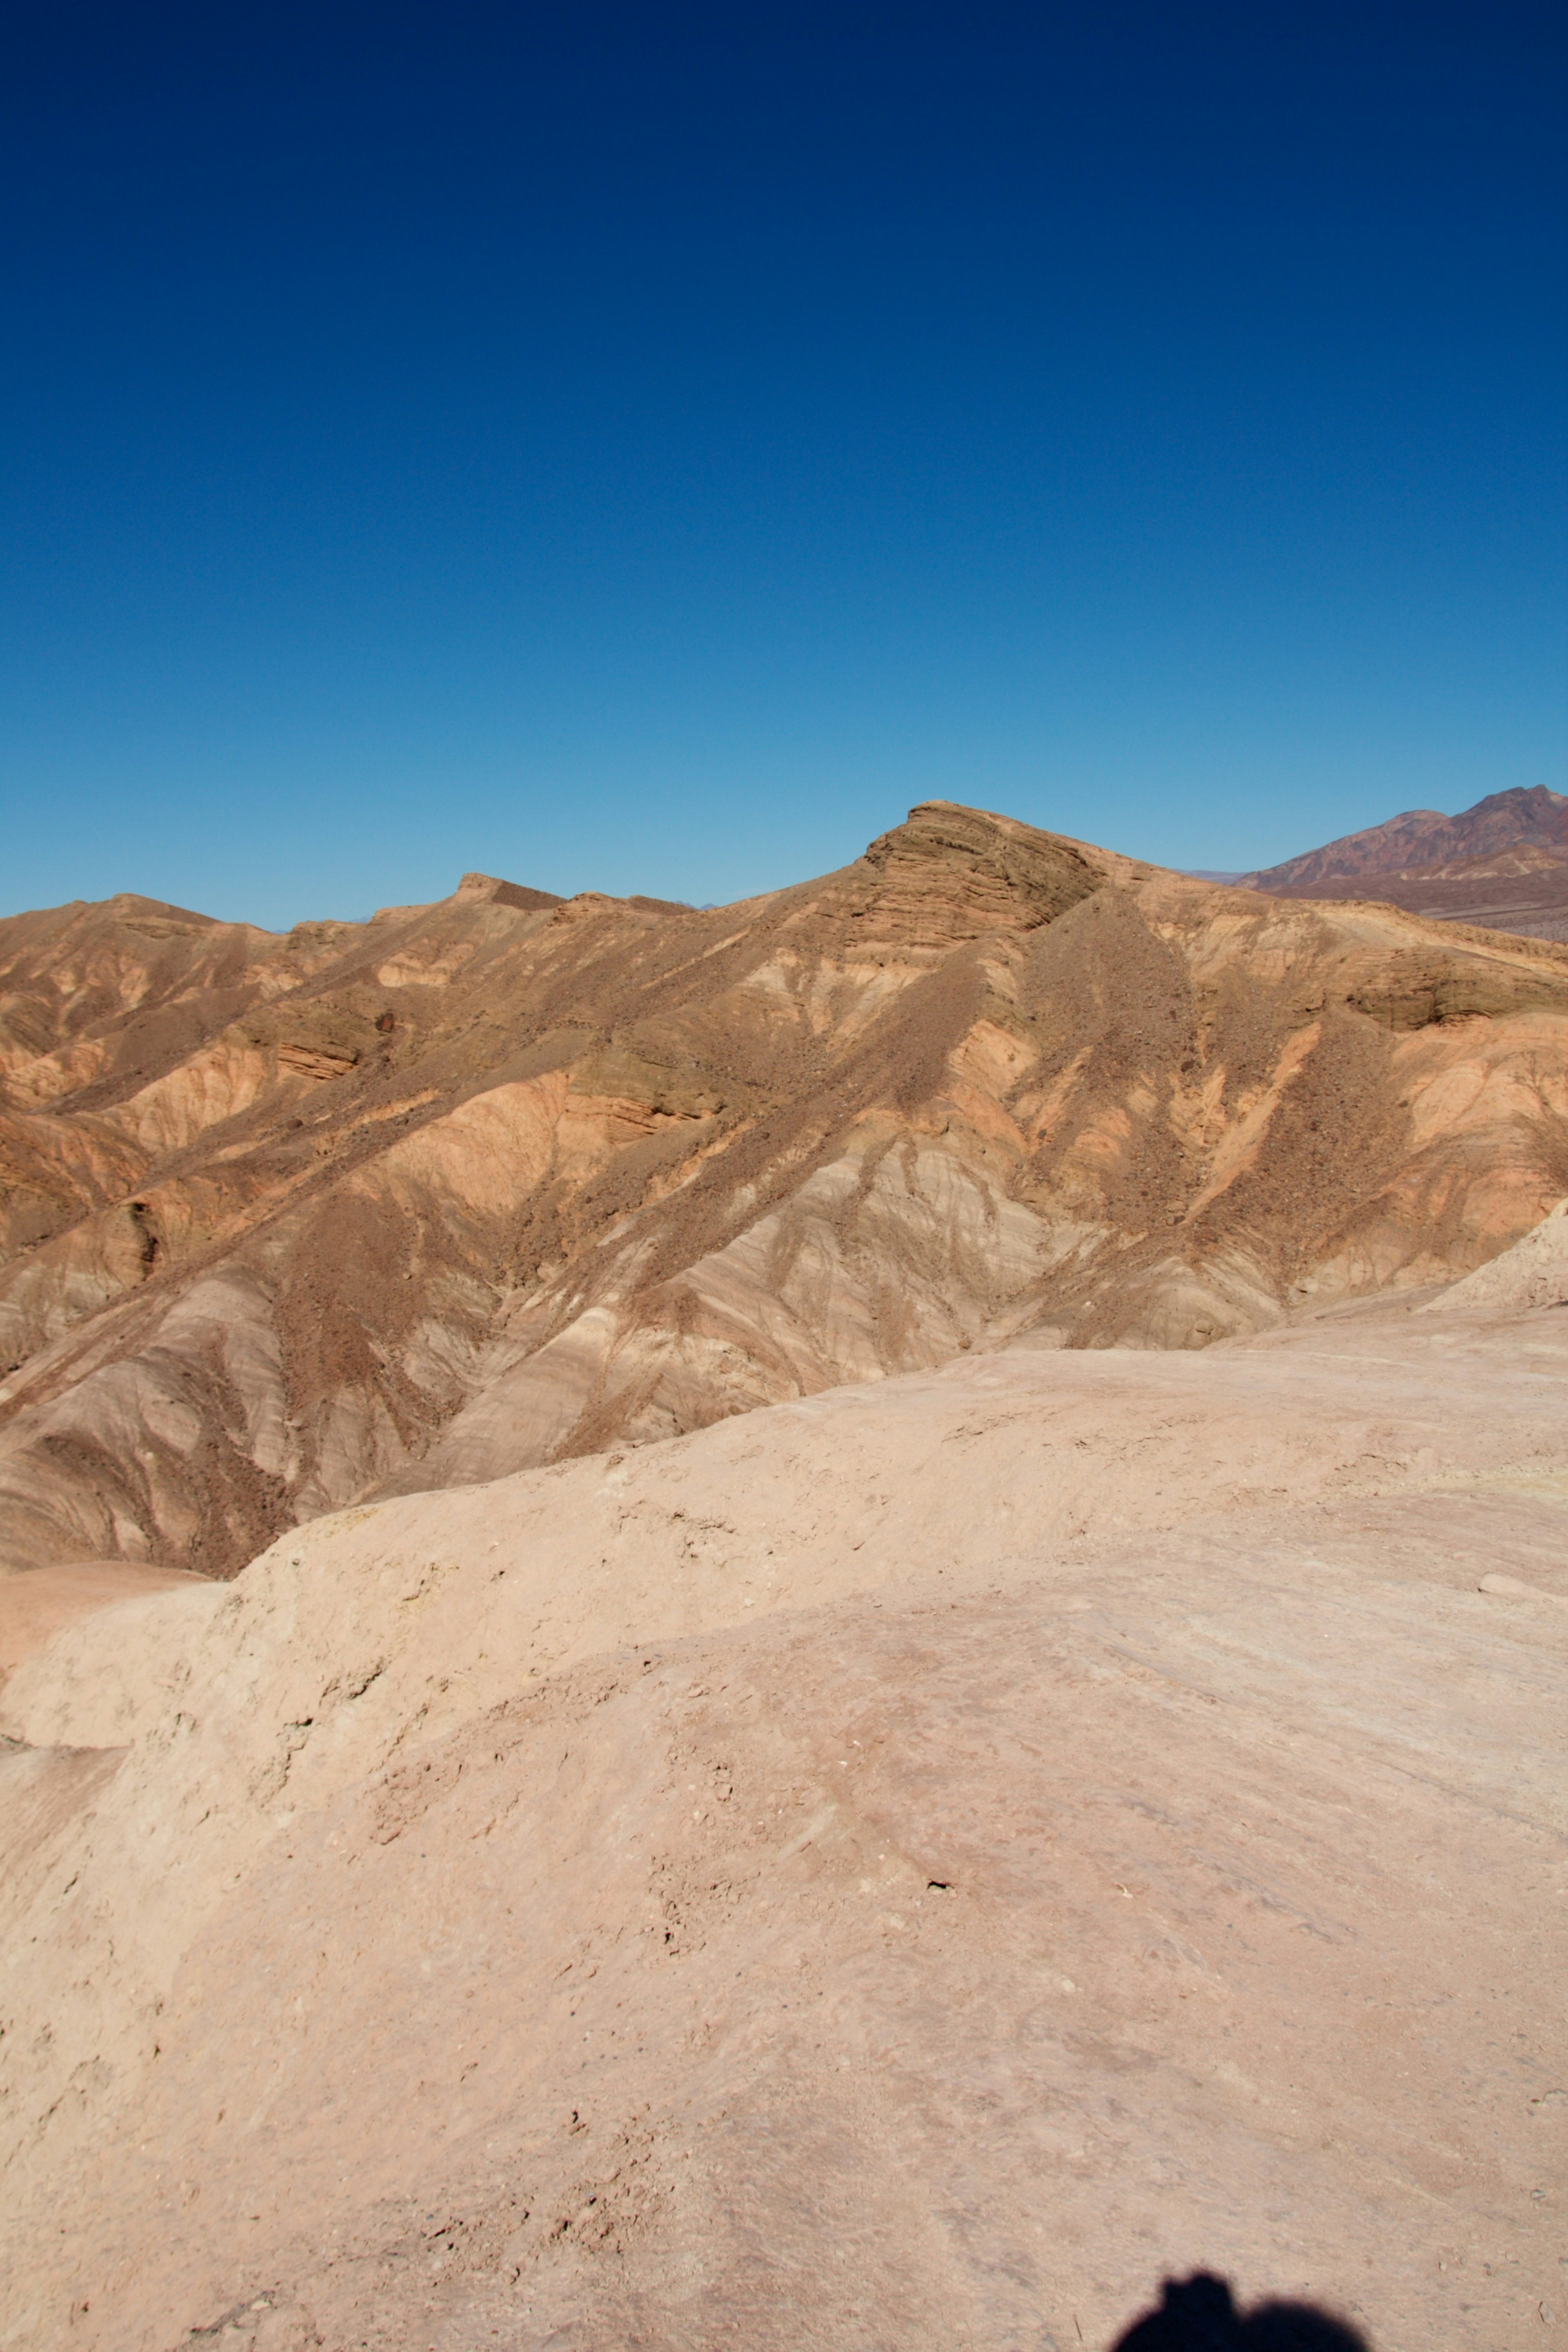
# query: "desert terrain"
(842, 1622)
(290, 1221)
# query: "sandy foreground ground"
(35, 1603)
(905, 1869)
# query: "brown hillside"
(1422, 840)
(498, 1181)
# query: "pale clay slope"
(36, 1605)
(1533, 1273)
(507, 1915)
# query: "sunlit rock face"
(289, 1222)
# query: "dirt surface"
(909, 1867)
(1533, 1273)
(288, 1223)
(35, 1605)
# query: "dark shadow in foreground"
(1197, 2314)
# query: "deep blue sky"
(648, 447)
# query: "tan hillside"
(502, 1180)
(910, 1867)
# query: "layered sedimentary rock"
(293, 1222)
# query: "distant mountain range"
(1502, 865)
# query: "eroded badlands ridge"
(504, 1181)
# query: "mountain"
(1423, 842)
(1501, 865)
(294, 1222)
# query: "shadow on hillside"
(1198, 2315)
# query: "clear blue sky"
(648, 447)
